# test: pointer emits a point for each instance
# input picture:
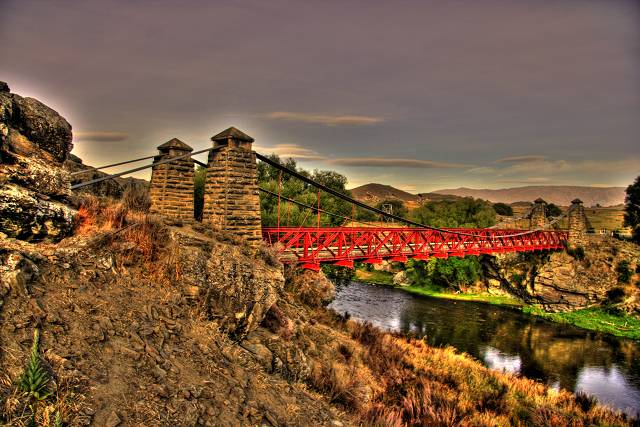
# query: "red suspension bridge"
(311, 246)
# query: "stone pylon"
(172, 183)
(231, 195)
(577, 223)
(537, 219)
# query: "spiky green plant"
(58, 420)
(35, 378)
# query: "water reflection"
(559, 355)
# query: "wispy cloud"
(100, 136)
(325, 119)
(290, 150)
(521, 159)
(394, 162)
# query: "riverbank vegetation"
(594, 319)
(392, 380)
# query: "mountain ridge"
(558, 194)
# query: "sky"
(421, 95)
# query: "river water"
(561, 356)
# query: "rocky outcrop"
(34, 187)
(113, 188)
(232, 287)
(562, 281)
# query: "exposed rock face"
(234, 288)
(34, 141)
(562, 282)
(113, 188)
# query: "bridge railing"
(312, 246)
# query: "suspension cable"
(371, 208)
(313, 208)
(119, 174)
(110, 166)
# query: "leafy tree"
(632, 209)
(291, 214)
(552, 210)
(503, 209)
(466, 212)
(438, 273)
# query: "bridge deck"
(311, 246)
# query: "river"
(561, 356)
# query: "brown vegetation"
(126, 342)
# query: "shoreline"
(594, 319)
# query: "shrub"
(503, 209)
(615, 295)
(517, 278)
(577, 252)
(136, 198)
(624, 272)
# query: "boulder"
(239, 289)
(25, 215)
(401, 279)
(34, 187)
(38, 123)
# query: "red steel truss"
(311, 246)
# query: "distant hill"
(374, 193)
(558, 194)
(377, 192)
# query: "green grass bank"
(594, 319)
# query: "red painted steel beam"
(311, 246)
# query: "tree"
(465, 212)
(632, 209)
(503, 209)
(551, 210)
(270, 178)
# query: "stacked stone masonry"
(537, 215)
(232, 198)
(577, 223)
(172, 184)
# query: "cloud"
(290, 150)
(324, 119)
(391, 162)
(521, 159)
(100, 136)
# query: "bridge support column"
(577, 223)
(172, 183)
(231, 195)
(537, 219)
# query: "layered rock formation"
(561, 281)
(34, 142)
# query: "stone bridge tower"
(231, 195)
(172, 183)
(537, 219)
(577, 223)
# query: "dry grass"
(389, 380)
(17, 407)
